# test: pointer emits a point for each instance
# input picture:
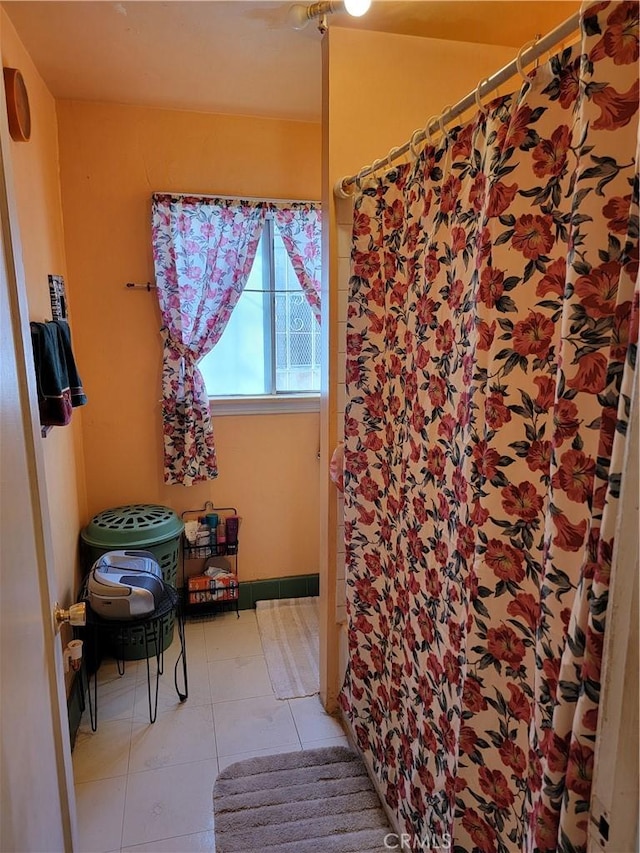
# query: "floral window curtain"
(203, 251)
(491, 345)
(301, 230)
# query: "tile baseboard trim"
(297, 586)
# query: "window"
(271, 344)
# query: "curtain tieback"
(177, 347)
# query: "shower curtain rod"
(525, 56)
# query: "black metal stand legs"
(153, 646)
(183, 655)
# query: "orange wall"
(112, 159)
(419, 77)
(36, 183)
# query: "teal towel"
(78, 397)
(54, 396)
(59, 384)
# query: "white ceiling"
(234, 56)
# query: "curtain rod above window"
(240, 198)
(131, 285)
(526, 55)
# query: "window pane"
(286, 278)
(297, 331)
(236, 364)
(297, 344)
(240, 363)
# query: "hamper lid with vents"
(136, 524)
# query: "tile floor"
(142, 787)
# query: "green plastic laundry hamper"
(147, 527)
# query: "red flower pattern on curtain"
(301, 230)
(491, 343)
(203, 251)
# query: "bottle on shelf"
(231, 530)
(221, 538)
(212, 521)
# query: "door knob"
(75, 615)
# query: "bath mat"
(289, 633)
(315, 801)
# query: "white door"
(36, 782)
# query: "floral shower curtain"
(491, 345)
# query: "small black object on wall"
(58, 297)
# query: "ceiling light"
(300, 15)
(357, 7)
